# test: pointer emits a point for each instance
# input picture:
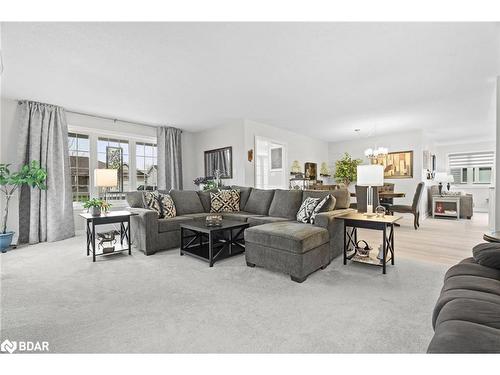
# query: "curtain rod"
(112, 119)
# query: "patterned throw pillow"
(236, 199)
(225, 201)
(306, 209)
(321, 206)
(152, 201)
(167, 206)
(161, 203)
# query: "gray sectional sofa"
(275, 240)
(466, 318)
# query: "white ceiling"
(321, 79)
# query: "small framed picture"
(276, 159)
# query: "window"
(113, 153)
(79, 162)
(146, 165)
(472, 167)
(134, 157)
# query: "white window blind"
(471, 159)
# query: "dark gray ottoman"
(290, 247)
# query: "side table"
(446, 199)
(112, 217)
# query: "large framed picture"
(397, 164)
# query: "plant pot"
(5, 241)
(95, 211)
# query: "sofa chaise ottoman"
(290, 247)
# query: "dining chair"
(361, 203)
(414, 208)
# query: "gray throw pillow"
(487, 254)
(306, 209)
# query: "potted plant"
(345, 169)
(30, 174)
(95, 206)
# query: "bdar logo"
(8, 346)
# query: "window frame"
(94, 135)
(470, 179)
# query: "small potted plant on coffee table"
(30, 174)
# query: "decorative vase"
(95, 211)
(5, 241)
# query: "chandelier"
(375, 153)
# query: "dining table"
(386, 194)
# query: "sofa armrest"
(335, 228)
(144, 229)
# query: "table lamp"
(105, 178)
(370, 175)
(441, 177)
(449, 179)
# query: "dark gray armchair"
(414, 208)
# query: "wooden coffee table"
(212, 243)
(353, 221)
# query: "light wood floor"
(437, 240)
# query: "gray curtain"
(43, 135)
(169, 158)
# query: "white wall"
(480, 192)
(299, 147)
(221, 136)
(406, 141)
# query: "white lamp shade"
(370, 175)
(441, 177)
(105, 177)
(450, 178)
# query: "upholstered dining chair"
(414, 208)
(361, 203)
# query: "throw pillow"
(167, 206)
(487, 254)
(236, 199)
(223, 201)
(152, 201)
(322, 206)
(306, 209)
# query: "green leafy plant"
(209, 185)
(345, 169)
(96, 202)
(30, 174)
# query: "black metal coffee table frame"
(212, 243)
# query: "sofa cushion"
(171, 224)
(244, 194)
(470, 310)
(205, 198)
(487, 254)
(288, 236)
(285, 203)
(239, 216)
(342, 198)
(470, 267)
(259, 201)
(321, 194)
(468, 282)
(199, 216)
(259, 220)
(225, 201)
(186, 202)
(135, 199)
(306, 209)
(458, 336)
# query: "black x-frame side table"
(353, 221)
(111, 217)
